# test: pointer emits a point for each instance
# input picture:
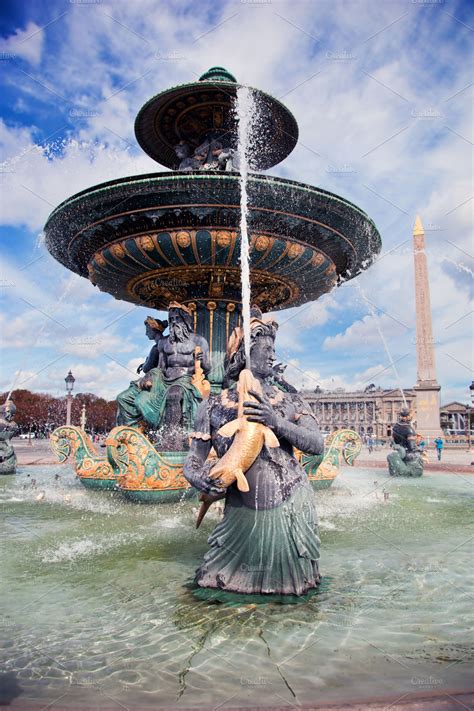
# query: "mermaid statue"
(406, 458)
(267, 543)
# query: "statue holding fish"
(267, 541)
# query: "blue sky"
(382, 94)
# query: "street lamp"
(83, 418)
(69, 380)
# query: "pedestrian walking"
(370, 444)
(439, 447)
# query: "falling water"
(245, 110)
(373, 313)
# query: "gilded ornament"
(146, 243)
(262, 243)
(183, 239)
(100, 259)
(118, 251)
(295, 250)
(142, 467)
(223, 238)
(317, 259)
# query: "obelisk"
(427, 387)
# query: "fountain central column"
(215, 319)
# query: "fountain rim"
(203, 175)
(167, 94)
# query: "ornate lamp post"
(69, 380)
(83, 417)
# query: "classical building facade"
(371, 411)
(455, 418)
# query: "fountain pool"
(96, 610)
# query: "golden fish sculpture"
(199, 379)
(247, 445)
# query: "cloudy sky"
(382, 92)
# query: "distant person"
(420, 442)
(439, 444)
(370, 444)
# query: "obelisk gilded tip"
(418, 228)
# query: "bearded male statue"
(167, 395)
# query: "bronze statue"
(154, 329)
(406, 458)
(229, 160)
(211, 154)
(267, 542)
(168, 394)
(183, 152)
(8, 429)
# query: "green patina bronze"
(93, 470)
(8, 430)
(149, 405)
(406, 458)
(400, 464)
(217, 74)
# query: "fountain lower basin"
(389, 620)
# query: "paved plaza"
(453, 459)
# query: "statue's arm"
(303, 433)
(196, 469)
(412, 447)
(206, 359)
(161, 354)
(152, 360)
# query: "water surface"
(96, 610)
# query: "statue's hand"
(279, 369)
(260, 411)
(199, 356)
(210, 498)
(140, 367)
(145, 383)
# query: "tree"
(40, 412)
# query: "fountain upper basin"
(174, 236)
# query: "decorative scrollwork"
(326, 467)
(72, 442)
(140, 465)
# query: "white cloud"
(27, 43)
(365, 334)
(392, 69)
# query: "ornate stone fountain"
(173, 236)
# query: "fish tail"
(242, 483)
(202, 512)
